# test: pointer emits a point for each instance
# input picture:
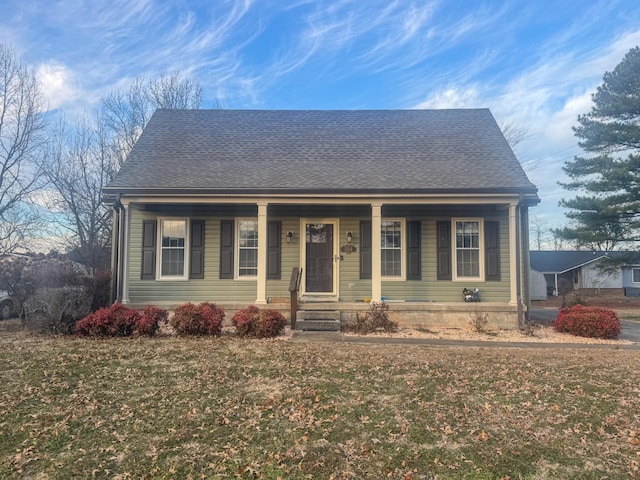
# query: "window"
(467, 248)
(635, 272)
(173, 234)
(247, 248)
(391, 242)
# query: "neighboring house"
(580, 271)
(408, 206)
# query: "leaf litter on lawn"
(218, 408)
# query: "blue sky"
(534, 63)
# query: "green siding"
(351, 287)
(290, 258)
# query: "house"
(406, 206)
(581, 270)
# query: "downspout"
(116, 256)
(521, 323)
(526, 258)
(115, 247)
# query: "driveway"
(630, 330)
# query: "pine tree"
(607, 214)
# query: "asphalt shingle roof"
(561, 261)
(322, 151)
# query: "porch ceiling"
(320, 210)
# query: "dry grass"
(223, 408)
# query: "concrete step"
(318, 320)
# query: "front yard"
(217, 408)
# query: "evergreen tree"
(607, 214)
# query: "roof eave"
(529, 194)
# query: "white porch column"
(261, 287)
(126, 248)
(376, 256)
(513, 254)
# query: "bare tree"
(513, 133)
(559, 242)
(538, 232)
(126, 114)
(87, 155)
(81, 163)
(22, 134)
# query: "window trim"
(632, 277)
(454, 250)
(236, 249)
(403, 250)
(187, 249)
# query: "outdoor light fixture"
(289, 236)
(349, 237)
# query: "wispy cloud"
(532, 63)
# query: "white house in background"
(581, 270)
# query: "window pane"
(391, 263)
(247, 248)
(468, 263)
(174, 234)
(248, 262)
(468, 248)
(391, 243)
(173, 262)
(636, 275)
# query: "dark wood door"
(319, 254)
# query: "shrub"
(376, 318)
(479, 321)
(595, 322)
(115, 321)
(253, 322)
(149, 322)
(246, 321)
(272, 323)
(203, 319)
(25, 277)
(56, 310)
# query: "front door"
(319, 257)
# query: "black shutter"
(443, 246)
(365, 249)
(492, 250)
(274, 230)
(196, 256)
(148, 271)
(413, 251)
(226, 249)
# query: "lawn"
(226, 408)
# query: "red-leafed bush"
(246, 321)
(595, 322)
(203, 319)
(115, 321)
(272, 323)
(253, 322)
(149, 323)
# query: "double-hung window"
(173, 253)
(247, 248)
(391, 243)
(468, 259)
(635, 273)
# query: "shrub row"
(594, 322)
(188, 319)
(121, 321)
